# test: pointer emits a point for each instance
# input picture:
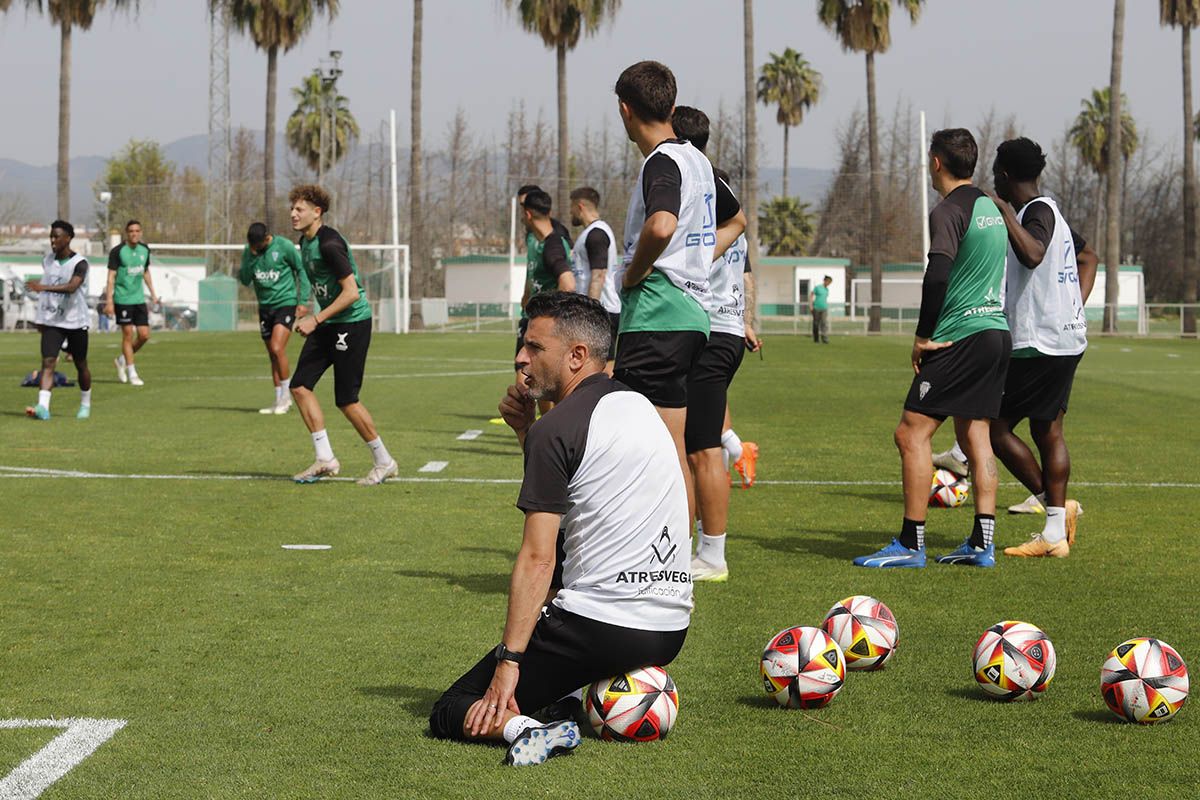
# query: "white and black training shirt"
(596, 248)
(604, 460)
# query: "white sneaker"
(1031, 506)
(281, 408)
(378, 474)
(318, 470)
(136, 380)
(704, 571)
(947, 461)
(119, 362)
(535, 745)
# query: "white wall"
(484, 283)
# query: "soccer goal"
(183, 276)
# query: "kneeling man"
(605, 536)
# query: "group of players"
(630, 357)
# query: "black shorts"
(708, 389)
(566, 651)
(657, 364)
(135, 314)
(614, 326)
(75, 339)
(964, 380)
(268, 318)
(522, 326)
(343, 347)
(1038, 388)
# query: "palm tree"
(750, 133)
(560, 23)
(272, 25)
(68, 15)
(863, 26)
(1089, 135)
(1185, 15)
(791, 83)
(315, 100)
(1112, 239)
(787, 226)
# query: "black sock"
(912, 534)
(982, 531)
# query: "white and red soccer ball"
(948, 490)
(865, 630)
(639, 706)
(1144, 680)
(1014, 661)
(802, 667)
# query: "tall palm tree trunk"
(64, 123)
(415, 224)
(1112, 237)
(785, 160)
(560, 195)
(873, 238)
(1191, 277)
(750, 133)
(1099, 237)
(269, 138)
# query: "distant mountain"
(37, 185)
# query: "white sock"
(44, 398)
(1055, 529)
(279, 390)
(85, 397)
(121, 360)
(712, 549)
(732, 446)
(381, 454)
(285, 385)
(517, 725)
(131, 371)
(322, 446)
(957, 452)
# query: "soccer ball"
(1014, 661)
(1144, 680)
(802, 667)
(865, 629)
(948, 490)
(639, 706)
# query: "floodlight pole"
(512, 248)
(924, 193)
(401, 319)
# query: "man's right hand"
(518, 409)
(109, 310)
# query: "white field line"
(79, 740)
(369, 375)
(434, 466)
(38, 472)
(467, 436)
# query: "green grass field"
(249, 671)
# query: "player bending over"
(128, 269)
(960, 354)
(602, 473)
(337, 336)
(272, 265)
(62, 317)
(1050, 273)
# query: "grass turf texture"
(245, 670)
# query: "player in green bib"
(271, 264)
(337, 335)
(960, 355)
(128, 269)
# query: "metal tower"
(216, 210)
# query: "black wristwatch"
(502, 653)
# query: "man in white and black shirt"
(604, 499)
(595, 255)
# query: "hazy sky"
(148, 77)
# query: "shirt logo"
(320, 290)
(341, 342)
(924, 389)
(982, 221)
(267, 276)
(664, 539)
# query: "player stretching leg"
(960, 354)
(337, 336)
(680, 218)
(609, 613)
(62, 317)
(128, 269)
(272, 265)
(1051, 271)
